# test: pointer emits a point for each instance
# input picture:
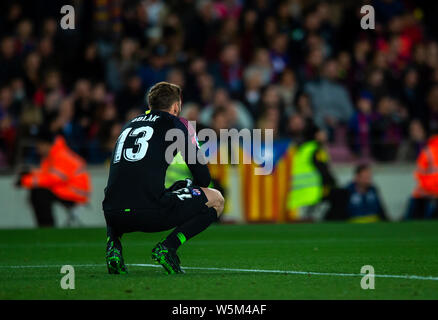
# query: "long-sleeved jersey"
(138, 165)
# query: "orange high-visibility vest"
(63, 172)
(426, 173)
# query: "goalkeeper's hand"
(180, 184)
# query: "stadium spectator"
(238, 116)
(61, 177)
(271, 99)
(278, 53)
(220, 120)
(412, 94)
(190, 111)
(416, 142)
(364, 202)
(90, 65)
(122, 64)
(303, 105)
(230, 68)
(423, 203)
(359, 128)
(9, 60)
(252, 94)
(261, 63)
(132, 96)
(206, 86)
(331, 101)
(156, 69)
(288, 88)
(387, 129)
(7, 122)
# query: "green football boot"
(114, 259)
(167, 257)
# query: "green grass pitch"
(31, 261)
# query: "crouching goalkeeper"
(135, 196)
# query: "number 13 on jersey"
(143, 135)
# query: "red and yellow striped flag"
(264, 196)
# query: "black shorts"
(184, 203)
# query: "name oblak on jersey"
(151, 118)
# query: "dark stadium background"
(255, 55)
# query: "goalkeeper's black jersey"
(138, 164)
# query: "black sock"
(190, 228)
(113, 237)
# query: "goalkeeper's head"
(165, 96)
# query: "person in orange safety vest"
(424, 198)
(61, 177)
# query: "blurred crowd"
(295, 66)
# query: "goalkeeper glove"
(180, 184)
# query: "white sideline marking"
(332, 274)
